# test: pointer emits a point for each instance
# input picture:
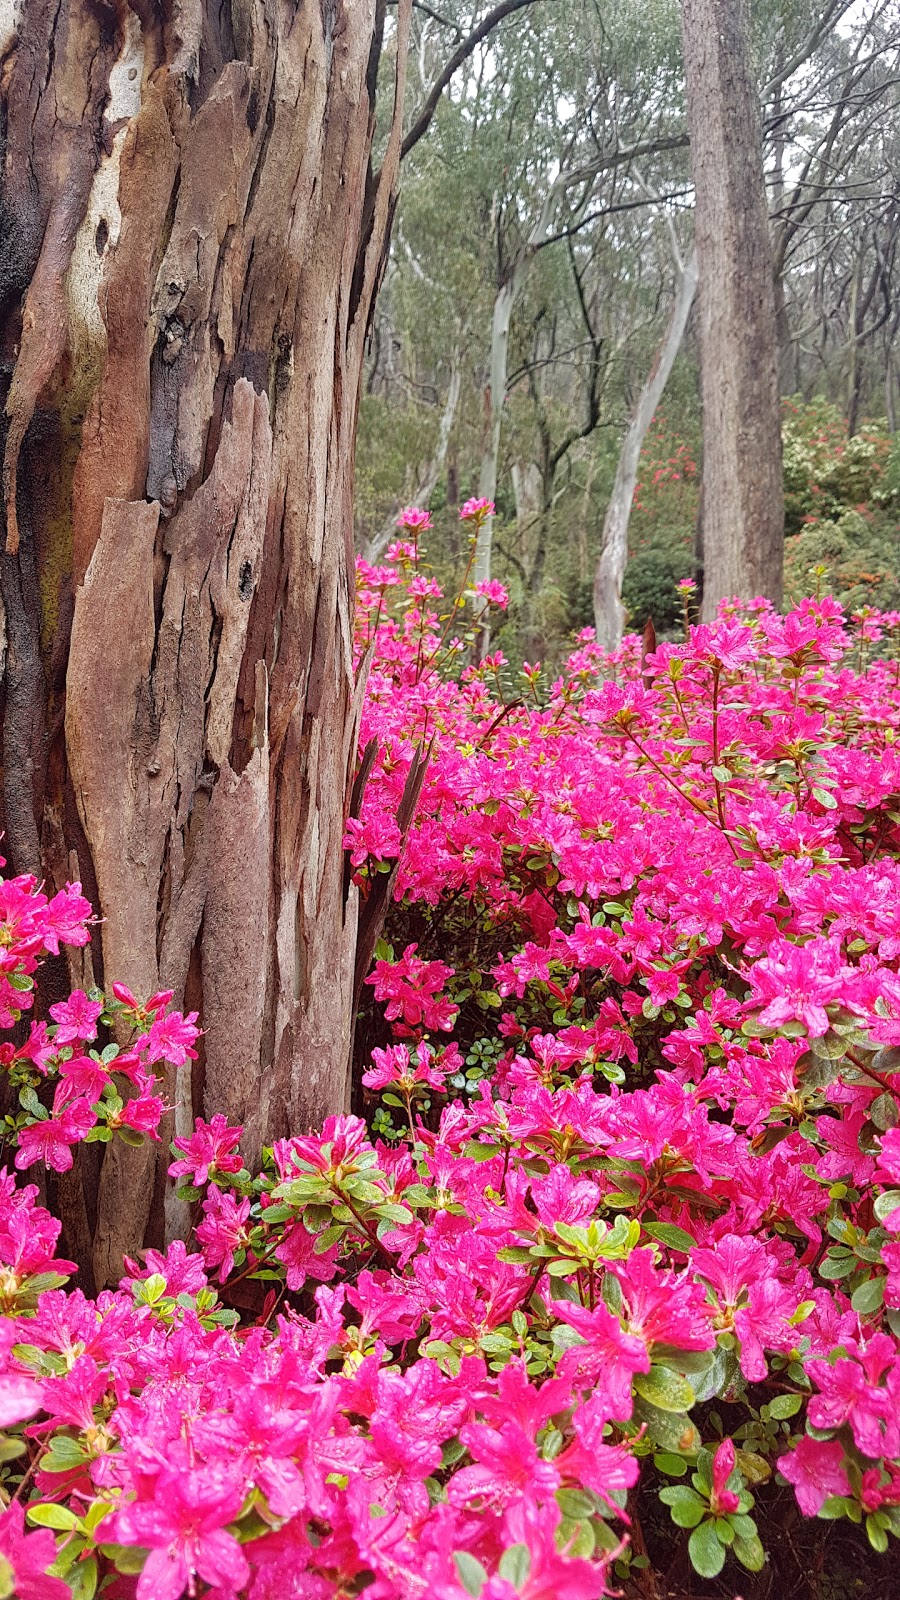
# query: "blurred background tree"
(537, 256)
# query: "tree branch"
(422, 122)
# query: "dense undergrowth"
(603, 1290)
(842, 501)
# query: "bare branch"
(422, 122)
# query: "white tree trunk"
(495, 401)
(609, 613)
(431, 471)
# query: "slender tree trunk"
(432, 470)
(609, 613)
(191, 240)
(495, 400)
(743, 505)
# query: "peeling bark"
(191, 236)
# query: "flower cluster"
(634, 1241)
(97, 1092)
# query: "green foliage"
(825, 472)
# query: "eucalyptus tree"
(742, 518)
(195, 211)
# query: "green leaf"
(750, 1553)
(877, 1536)
(664, 1389)
(472, 1574)
(51, 1516)
(329, 1237)
(886, 1202)
(685, 1507)
(668, 1430)
(396, 1213)
(825, 798)
(754, 1468)
(672, 1466)
(721, 774)
(884, 1112)
(64, 1455)
(834, 1267)
(515, 1565)
(562, 1269)
(575, 1504)
(83, 1579)
(68, 1554)
(576, 1538)
(706, 1553)
(668, 1234)
(785, 1405)
(869, 1296)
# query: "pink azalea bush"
(624, 1215)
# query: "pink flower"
(171, 1039)
(603, 1468)
(605, 1360)
(494, 593)
(723, 1500)
(850, 1392)
(816, 1469)
(750, 1298)
(341, 1142)
(211, 1148)
(663, 1307)
(27, 1557)
(889, 1156)
(223, 1229)
(183, 1273)
(20, 1396)
(297, 1252)
(415, 518)
(51, 1141)
(475, 510)
(796, 982)
(143, 1112)
(184, 1528)
(76, 1019)
(394, 1066)
(507, 1467)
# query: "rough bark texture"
(192, 235)
(743, 510)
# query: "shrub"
(619, 1245)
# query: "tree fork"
(191, 237)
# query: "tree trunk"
(432, 469)
(192, 236)
(743, 534)
(609, 613)
(494, 402)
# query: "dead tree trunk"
(743, 505)
(192, 235)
